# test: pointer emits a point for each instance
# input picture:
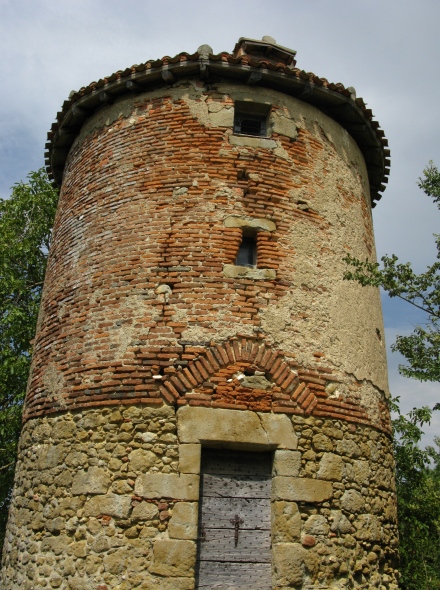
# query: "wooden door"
(234, 521)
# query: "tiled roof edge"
(335, 100)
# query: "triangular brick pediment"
(241, 374)
(247, 374)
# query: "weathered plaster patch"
(283, 124)
(54, 383)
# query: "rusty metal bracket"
(236, 521)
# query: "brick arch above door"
(221, 374)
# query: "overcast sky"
(387, 49)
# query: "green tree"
(418, 501)
(26, 220)
(417, 470)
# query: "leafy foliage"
(418, 502)
(430, 184)
(417, 470)
(26, 220)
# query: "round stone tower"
(208, 402)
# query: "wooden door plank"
(230, 462)
(252, 546)
(235, 486)
(217, 512)
(234, 576)
(244, 486)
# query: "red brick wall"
(142, 205)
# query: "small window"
(247, 252)
(251, 118)
(250, 125)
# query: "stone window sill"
(251, 141)
(244, 272)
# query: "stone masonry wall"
(107, 499)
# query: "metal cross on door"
(234, 522)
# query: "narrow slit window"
(251, 118)
(247, 253)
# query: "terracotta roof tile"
(352, 114)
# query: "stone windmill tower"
(208, 400)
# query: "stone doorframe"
(175, 553)
(247, 431)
